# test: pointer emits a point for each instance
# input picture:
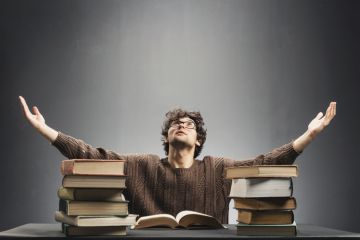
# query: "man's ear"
(198, 143)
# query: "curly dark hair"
(178, 113)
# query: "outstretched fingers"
(319, 116)
(334, 108)
(330, 112)
(36, 111)
(25, 107)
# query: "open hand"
(320, 121)
(34, 118)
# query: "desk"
(53, 231)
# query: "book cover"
(91, 194)
(70, 230)
(94, 221)
(93, 181)
(265, 217)
(75, 208)
(262, 171)
(266, 203)
(92, 167)
(266, 229)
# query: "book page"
(188, 212)
(191, 219)
(157, 220)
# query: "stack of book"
(263, 197)
(91, 199)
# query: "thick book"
(91, 194)
(95, 221)
(266, 229)
(267, 203)
(86, 208)
(92, 167)
(70, 230)
(92, 181)
(261, 187)
(262, 171)
(265, 217)
(184, 219)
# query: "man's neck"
(183, 158)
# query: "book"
(261, 187)
(266, 229)
(265, 217)
(93, 221)
(92, 167)
(70, 230)
(262, 171)
(86, 208)
(267, 203)
(91, 194)
(184, 219)
(92, 181)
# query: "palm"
(320, 121)
(35, 118)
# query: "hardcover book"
(94, 221)
(267, 203)
(261, 187)
(75, 208)
(265, 217)
(92, 181)
(91, 194)
(262, 171)
(266, 229)
(92, 167)
(70, 230)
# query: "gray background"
(108, 71)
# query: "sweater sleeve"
(283, 155)
(73, 148)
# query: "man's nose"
(181, 125)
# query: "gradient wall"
(107, 72)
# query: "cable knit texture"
(153, 186)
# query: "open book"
(185, 219)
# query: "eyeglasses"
(187, 124)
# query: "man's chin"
(179, 142)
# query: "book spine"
(63, 206)
(295, 203)
(90, 208)
(63, 218)
(66, 193)
(63, 228)
(67, 167)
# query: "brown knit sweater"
(153, 186)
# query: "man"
(179, 181)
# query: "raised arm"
(37, 120)
(317, 125)
(287, 153)
(70, 147)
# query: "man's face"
(182, 132)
